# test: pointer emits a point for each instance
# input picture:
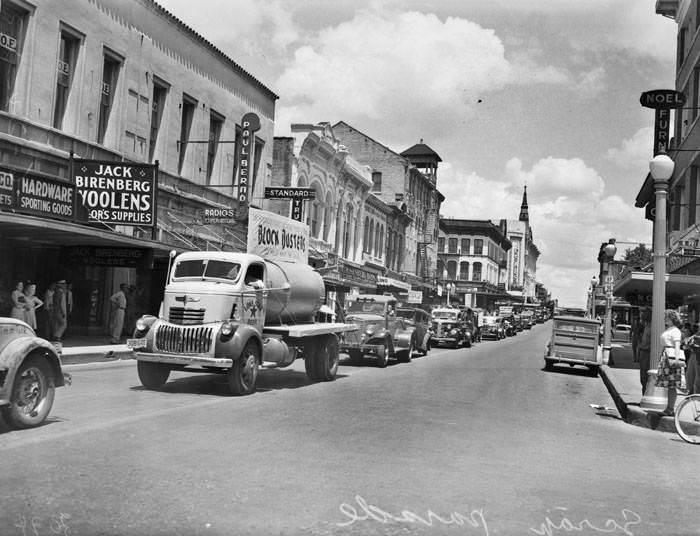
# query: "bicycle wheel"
(687, 419)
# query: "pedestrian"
(644, 348)
(18, 300)
(47, 324)
(670, 369)
(59, 311)
(692, 365)
(31, 304)
(118, 301)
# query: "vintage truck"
(233, 312)
(381, 332)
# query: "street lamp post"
(609, 251)
(661, 169)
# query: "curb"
(631, 413)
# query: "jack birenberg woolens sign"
(115, 192)
(277, 238)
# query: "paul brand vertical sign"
(246, 152)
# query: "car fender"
(231, 347)
(16, 351)
(402, 338)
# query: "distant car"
(574, 341)
(493, 327)
(451, 327)
(30, 371)
(622, 333)
(420, 321)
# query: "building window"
(327, 216)
(478, 246)
(465, 246)
(476, 276)
(13, 24)
(365, 238)
(375, 250)
(68, 48)
(452, 270)
(160, 91)
(681, 47)
(348, 230)
(693, 195)
(376, 181)
(696, 89)
(188, 107)
(441, 244)
(216, 123)
(464, 271)
(110, 74)
(452, 245)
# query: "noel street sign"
(662, 99)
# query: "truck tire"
(321, 362)
(152, 375)
(32, 394)
(405, 355)
(243, 374)
(383, 356)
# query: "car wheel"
(408, 353)
(32, 394)
(383, 356)
(152, 375)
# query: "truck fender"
(14, 353)
(403, 338)
(232, 347)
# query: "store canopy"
(642, 283)
(41, 231)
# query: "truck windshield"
(366, 306)
(446, 315)
(207, 268)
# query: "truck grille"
(181, 340)
(180, 315)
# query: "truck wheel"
(152, 375)
(548, 364)
(468, 342)
(32, 394)
(356, 357)
(383, 356)
(327, 359)
(243, 374)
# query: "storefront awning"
(642, 282)
(41, 231)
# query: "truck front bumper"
(185, 360)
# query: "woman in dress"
(32, 303)
(18, 300)
(670, 365)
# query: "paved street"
(469, 441)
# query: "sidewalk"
(621, 377)
(92, 349)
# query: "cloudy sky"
(508, 92)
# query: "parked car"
(420, 321)
(575, 341)
(518, 323)
(493, 327)
(380, 331)
(451, 327)
(30, 371)
(622, 333)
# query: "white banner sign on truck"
(275, 237)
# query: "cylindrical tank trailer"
(295, 292)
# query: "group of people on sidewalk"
(678, 365)
(57, 307)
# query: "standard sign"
(289, 193)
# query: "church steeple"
(524, 216)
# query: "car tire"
(383, 356)
(32, 394)
(407, 354)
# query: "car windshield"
(577, 328)
(207, 268)
(366, 306)
(490, 320)
(445, 315)
(407, 314)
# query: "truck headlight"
(370, 331)
(141, 325)
(453, 332)
(227, 329)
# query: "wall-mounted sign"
(390, 282)
(105, 256)
(250, 125)
(415, 296)
(115, 192)
(272, 192)
(275, 237)
(662, 99)
(28, 193)
(210, 216)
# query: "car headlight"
(227, 329)
(369, 331)
(453, 331)
(141, 325)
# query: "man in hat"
(118, 301)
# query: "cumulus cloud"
(570, 215)
(634, 153)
